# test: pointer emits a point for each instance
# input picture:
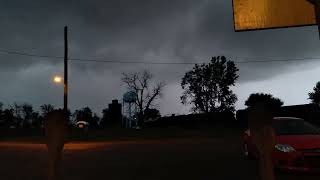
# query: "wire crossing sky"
(101, 60)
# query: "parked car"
(297, 145)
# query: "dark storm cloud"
(167, 30)
(140, 30)
(216, 28)
(113, 29)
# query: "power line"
(92, 60)
(279, 60)
(153, 62)
(133, 62)
(30, 55)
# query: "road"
(192, 158)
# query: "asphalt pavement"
(188, 158)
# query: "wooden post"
(56, 131)
(263, 136)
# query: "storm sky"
(144, 30)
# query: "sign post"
(316, 4)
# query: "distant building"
(115, 115)
(309, 112)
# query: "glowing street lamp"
(57, 79)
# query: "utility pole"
(65, 99)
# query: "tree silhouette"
(27, 111)
(46, 108)
(105, 118)
(8, 117)
(17, 110)
(315, 95)
(207, 86)
(139, 82)
(37, 120)
(2, 121)
(1, 107)
(267, 100)
(85, 114)
(152, 113)
(95, 121)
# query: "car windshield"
(294, 127)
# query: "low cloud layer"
(143, 30)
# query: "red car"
(297, 145)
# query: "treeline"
(25, 116)
(198, 120)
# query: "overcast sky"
(144, 30)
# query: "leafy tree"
(95, 121)
(262, 107)
(27, 111)
(83, 114)
(17, 110)
(315, 95)
(139, 82)
(104, 118)
(152, 113)
(37, 120)
(1, 107)
(2, 122)
(8, 117)
(267, 100)
(86, 115)
(46, 108)
(207, 86)
(69, 115)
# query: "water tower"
(129, 109)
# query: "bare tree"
(139, 82)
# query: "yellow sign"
(266, 14)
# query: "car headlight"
(284, 148)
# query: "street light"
(57, 79)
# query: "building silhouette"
(308, 112)
(115, 115)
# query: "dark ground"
(176, 158)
